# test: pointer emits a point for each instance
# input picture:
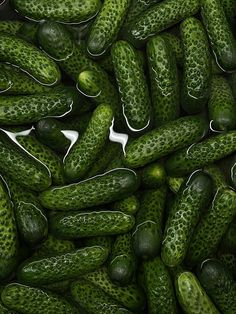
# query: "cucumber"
(5, 310)
(73, 225)
(94, 300)
(162, 141)
(192, 297)
(45, 270)
(219, 285)
(201, 154)
(67, 12)
(153, 175)
(102, 189)
(129, 205)
(194, 195)
(85, 151)
(147, 235)
(212, 227)
(31, 300)
(221, 37)
(132, 85)
(103, 241)
(28, 32)
(230, 11)
(159, 288)
(197, 66)
(175, 183)
(78, 123)
(29, 58)
(106, 26)
(228, 242)
(176, 46)
(10, 26)
(228, 166)
(164, 80)
(229, 261)
(60, 287)
(217, 176)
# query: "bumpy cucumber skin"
(220, 34)
(194, 195)
(230, 11)
(222, 105)
(132, 86)
(176, 47)
(164, 140)
(4, 310)
(197, 66)
(95, 300)
(102, 189)
(160, 17)
(129, 205)
(192, 298)
(31, 300)
(216, 175)
(10, 26)
(73, 225)
(212, 227)
(46, 270)
(153, 175)
(219, 285)
(201, 154)
(102, 241)
(30, 59)
(164, 81)
(147, 235)
(106, 26)
(158, 287)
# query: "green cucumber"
(229, 261)
(219, 285)
(228, 242)
(129, 205)
(73, 225)
(228, 166)
(45, 270)
(197, 66)
(153, 175)
(192, 297)
(194, 195)
(176, 46)
(221, 37)
(164, 80)
(60, 287)
(217, 176)
(175, 183)
(147, 235)
(201, 154)
(132, 86)
(159, 288)
(162, 141)
(28, 32)
(31, 300)
(230, 11)
(102, 189)
(232, 81)
(29, 58)
(212, 226)
(103, 241)
(10, 26)
(5, 310)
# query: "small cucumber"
(195, 194)
(176, 46)
(192, 297)
(162, 141)
(10, 26)
(153, 175)
(129, 205)
(164, 80)
(73, 225)
(197, 66)
(102, 189)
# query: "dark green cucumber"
(153, 175)
(197, 66)
(222, 105)
(191, 296)
(164, 80)
(31, 300)
(10, 26)
(73, 225)
(195, 194)
(94, 300)
(175, 183)
(229, 261)
(160, 17)
(85, 151)
(132, 86)
(106, 26)
(147, 234)
(78, 122)
(212, 226)
(5, 310)
(201, 154)
(159, 288)
(70, 11)
(29, 58)
(219, 285)
(221, 37)
(60, 287)
(28, 32)
(217, 176)
(164, 140)
(102, 189)
(176, 46)
(50, 269)
(129, 205)
(103, 241)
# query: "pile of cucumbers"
(118, 157)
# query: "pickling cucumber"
(129, 205)
(10, 26)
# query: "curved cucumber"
(164, 80)
(129, 205)
(132, 86)
(194, 195)
(164, 140)
(197, 66)
(192, 297)
(102, 189)
(222, 105)
(10, 26)
(201, 154)
(221, 37)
